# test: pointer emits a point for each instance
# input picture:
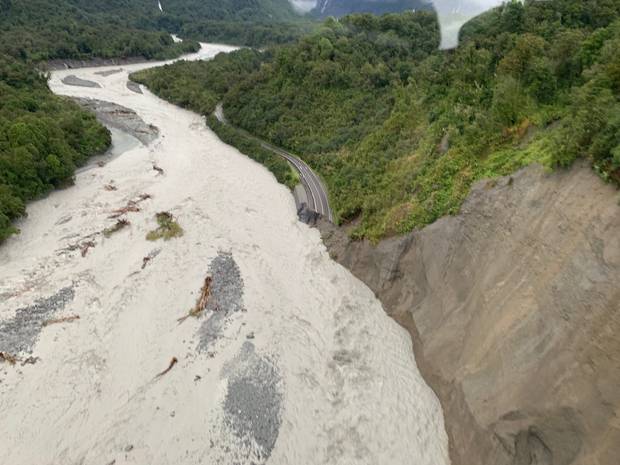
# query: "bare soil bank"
(514, 311)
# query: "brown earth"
(514, 309)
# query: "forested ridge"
(76, 29)
(81, 29)
(400, 130)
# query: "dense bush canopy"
(82, 29)
(79, 29)
(42, 139)
(400, 130)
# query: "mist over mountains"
(452, 14)
(325, 8)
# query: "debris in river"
(168, 228)
(202, 301)
(30, 361)
(101, 164)
(152, 254)
(173, 362)
(85, 246)
(10, 359)
(120, 224)
(66, 319)
(226, 297)
(110, 187)
(158, 169)
(131, 207)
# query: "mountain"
(337, 8)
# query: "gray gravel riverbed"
(19, 334)
(122, 118)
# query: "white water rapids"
(302, 366)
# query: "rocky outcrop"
(514, 310)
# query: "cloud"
(303, 5)
(452, 15)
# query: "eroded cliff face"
(514, 310)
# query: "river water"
(293, 362)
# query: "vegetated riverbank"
(43, 139)
(400, 131)
(285, 357)
(514, 309)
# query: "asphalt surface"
(318, 201)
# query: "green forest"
(81, 29)
(41, 30)
(43, 138)
(400, 130)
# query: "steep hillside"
(514, 310)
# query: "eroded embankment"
(514, 310)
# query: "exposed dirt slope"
(514, 309)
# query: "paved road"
(314, 187)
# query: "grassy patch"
(168, 228)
